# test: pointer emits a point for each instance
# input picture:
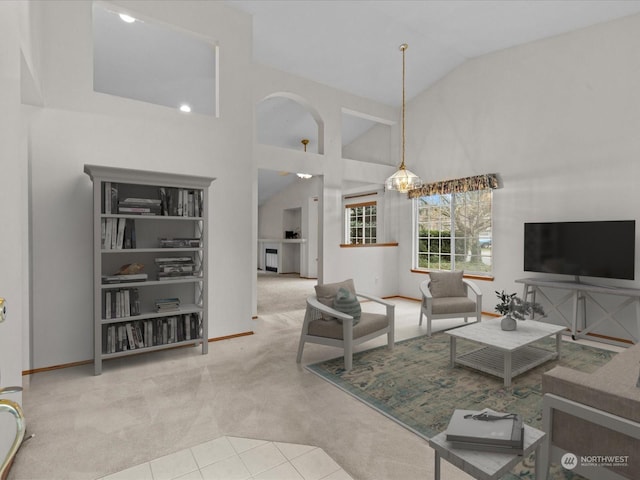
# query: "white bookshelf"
(126, 320)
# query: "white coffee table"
(504, 354)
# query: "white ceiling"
(353, 45)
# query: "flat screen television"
(604, 249)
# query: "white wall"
(334, 263)
(13, 214)
(270, 213)
(373, 146)
(79, 126)
(557, 119)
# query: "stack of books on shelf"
(133, 277)
(140, 206)
(150, 333)
(118, 233)
(176, 267)
(486, 430)
(167, 304)
(180, 243)
(124, 302)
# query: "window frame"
(453, 238)
(348, 238)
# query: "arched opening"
(283, 119)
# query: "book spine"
(114, 198)
(107, 233)
(114, 233)
(106, 208)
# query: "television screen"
(593, 249)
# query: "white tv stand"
(579, 293)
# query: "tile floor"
(233, 458)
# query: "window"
(454, 232)
(361, 223)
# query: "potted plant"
(513, 308)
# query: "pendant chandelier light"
(304, 176)
(403, 180)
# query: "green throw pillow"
(347, 302)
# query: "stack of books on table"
(486, 430)
(167, 304)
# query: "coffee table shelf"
(504, 354)
(491, 360)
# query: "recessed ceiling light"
(185, 108)
(127, 18)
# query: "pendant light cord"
(403, 47)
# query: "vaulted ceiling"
(353, 45)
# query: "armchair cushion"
(327, 292)
(369, 323)
(446, 305)
(347, 302)
(447, 284)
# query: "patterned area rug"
(414, 385)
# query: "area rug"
(414, 385)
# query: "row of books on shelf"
(118, 233)
(124, 302)
(181, 202)
(486, 430)
(150, 333)
(178, 202)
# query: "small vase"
(508, 323)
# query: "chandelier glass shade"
(403, 180)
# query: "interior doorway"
(287, 241)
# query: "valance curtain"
(468, 184)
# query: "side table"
(484, 465)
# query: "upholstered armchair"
(333, 317)
(449, 295)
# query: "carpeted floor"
(278, 293)
(414, 385)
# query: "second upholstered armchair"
(449, 295)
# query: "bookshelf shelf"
(149, 250)
(107, 356)
(170, 209)
(165, 218)
(184, 309)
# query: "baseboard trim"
(86, 362)
(228, 337)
